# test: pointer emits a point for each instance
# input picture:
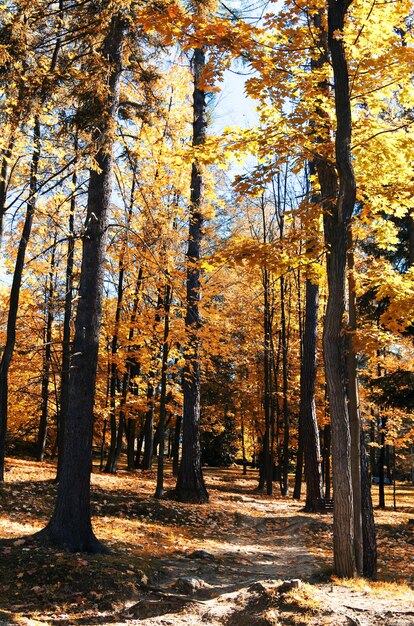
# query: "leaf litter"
(221, 563)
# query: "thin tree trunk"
(300, 451)
(381, 463)
(327, 460)
(176, 444)
(149, 429)
(117, 434)
(313, 473)
(243, 441)
(353, 410)
(368, 525)
(336, 226)
(286, 421)
(70, 525)
(66, 343)
(47, 361)
(140, 441)
(159, 491)
(15, 295)
(190, 483)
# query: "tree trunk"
(117, 434)
(336, 226)
(161, 424)
(266, 474)
(286, 421)
(381, 463)
(353, 410)
(66, 343)
(310, 431)
(368, 525)
(176, 444)
(131, 435)
(47, 361)
(15, 295)
(149, 429)
(70, 526)
(327, 460)
(190, 483)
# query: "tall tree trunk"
(47, 360)
(190, 483)
(21, 253)
(286, 421)
(381, 463)
(111, 461)
(161, 424)
(368, 525)
(70, 525)
(15, 294)
(67, 318)
(266, 474)
(149, 429)
(176, 444)
(117, 434)
(300, 451)
(353, 410)
(327, 460)
(313, 473)
(336, 226)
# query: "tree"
(190, 485)
(70, 525)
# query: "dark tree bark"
(176, 444)
(159, 491)
(265, 474)
(381, 463)
(70, 526)
(117, 433)
(15, 295)
(190, 483)
(21, 253)
(286, 420)
(353, 410)
(149, 429)
(336, 224)
(47, 360)
(327, 460)
(67, 318)
(368, 525)
(311, 443)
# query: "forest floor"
(223, 563)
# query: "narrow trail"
(243, 559)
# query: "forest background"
(119, 210)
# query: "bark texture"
(190, 483)
(70, 526)
(308, 421)
(368, 525)
(336, 224)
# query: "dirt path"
(226, 563)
